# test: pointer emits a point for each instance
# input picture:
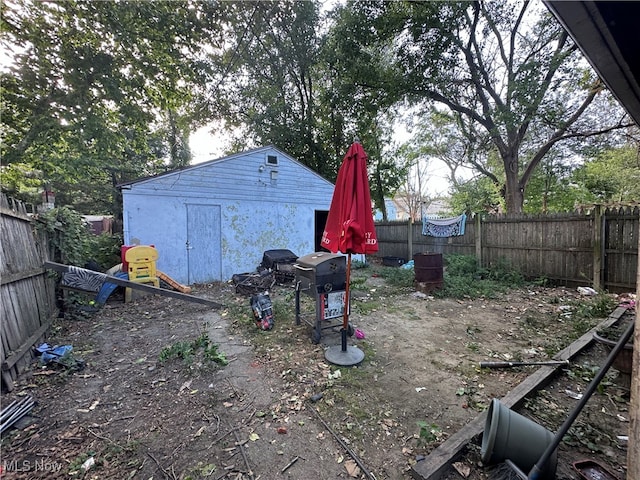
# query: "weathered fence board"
(620, 246)
(27, 292)
(598, 248)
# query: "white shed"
(212, 220)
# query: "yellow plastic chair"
(141, 262)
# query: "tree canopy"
(102, 92)
(511, 75)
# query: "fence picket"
(28, 297)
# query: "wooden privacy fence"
(598, 248)
(27, 291)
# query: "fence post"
(410, 238)
(597, 247)
(478, 239)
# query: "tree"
(518, 77)
(287, 83)
(551, 188)
(101, 92)
(355, 107)
(265, 88)
(612, 176)
(478, 195)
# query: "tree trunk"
(513, 193)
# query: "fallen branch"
(288, 465)
(353, 455)
(166, 474)
(244, 455)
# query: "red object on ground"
(123, 251)
(350, 227)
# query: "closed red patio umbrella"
(350, 229)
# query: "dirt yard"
(279, 410)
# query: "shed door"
(203, 243)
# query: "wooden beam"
(438, 461)
(633, 459)
(8, 381)
(10, 213)
(58, 267)
(11, 360)
(14, 277)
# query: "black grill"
(321, 272)
(280, 262)
(322, 276)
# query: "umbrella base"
(351, 356)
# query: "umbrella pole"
(345, 355)
(345, 316)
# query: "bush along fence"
(27, 290)
(597, 247)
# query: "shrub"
(73, 242)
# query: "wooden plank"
(58, 267)
(598, 240)
(14, 277)
(437, 463)
(633, 459)
(7, 381)
(176, 286)
(11, 360)
(10, 213)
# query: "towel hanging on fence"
(444, 227)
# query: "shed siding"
(257, 213)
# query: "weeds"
(397, 277)
(186, 351)
(598, 306)
(583, 314)
(473, 346)
(472, 396)
(76, 469)
(428, 434)
(464, 278)
(201, 470)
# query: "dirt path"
(138, 417)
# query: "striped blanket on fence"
(444, 227)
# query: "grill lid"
(271, 258)
(313, 260)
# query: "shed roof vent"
(272, 160)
